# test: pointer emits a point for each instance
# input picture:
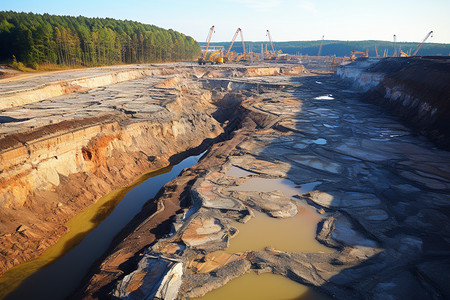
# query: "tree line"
(80, 41)
(341, 48)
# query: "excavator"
(216, 60)
(354, 52)
(227, 54)
(403, 54)
(202, 60)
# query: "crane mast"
(426, 38)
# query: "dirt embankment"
(55, 165)
(416, 88)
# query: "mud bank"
(61, 154)
(416, 88)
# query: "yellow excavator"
(216, 60)
(354, 52)
(403, 54)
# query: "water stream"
(59, 271)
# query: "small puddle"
(56, 273)
(239, 172)
(266, 286)
(267, 185)
(320, 141)
(326, 97)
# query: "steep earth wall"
(416, 88)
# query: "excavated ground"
(375, 192)
(68, 138)
(379, 194)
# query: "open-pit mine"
(233, 181)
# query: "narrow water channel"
(59, 271)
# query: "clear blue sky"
(287, 20)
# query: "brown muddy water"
(266, 286)
(295, 234)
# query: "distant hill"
(340, 48)
(36, 39)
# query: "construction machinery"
(376, 51)
(403, 54)
(270, 54)
(202, 60)
(420, 46)
(227, 54)
(320, 47)
(395, 46)
(214, 59)
(354, 52)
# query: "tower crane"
(202, 60)
(320, 47)
(420, 46)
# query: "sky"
(287, 20)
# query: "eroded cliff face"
(416, 88)
(59, 155)
(51, 173)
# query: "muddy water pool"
(266, 286)
(295, 234)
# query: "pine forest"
(36, 39)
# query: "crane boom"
(232, 41)
(270, 39)
(395, 45)
(208, 39)
(426, 38)
(320, 47)
(243, 44)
